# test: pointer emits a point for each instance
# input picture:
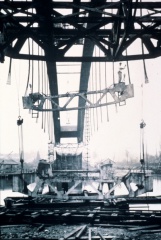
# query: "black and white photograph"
(80, 119)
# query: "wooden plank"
(14, 226)
(72, 233)
(82, 230)
(89, 234)
(91, 215)
(112, 225)
(101, 236)
(66, 214)
(151, 231)
(94, 237)
(144, 227)
(41, 228)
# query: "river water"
(120, 190)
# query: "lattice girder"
(121, 24)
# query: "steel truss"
(79, 178)
(111, 26)
(119, 92)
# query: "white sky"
(112, 140)
(122, 133)
(34, 138)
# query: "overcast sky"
(122, 133)
(34, 138)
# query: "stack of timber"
(20, 212)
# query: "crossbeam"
(111, 26)
(119, 92)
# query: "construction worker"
(121, 74)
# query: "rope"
(93, 95)
(17, 88)
(144, 65)
(107, 115)
(113, 68)
(100, 84)
(32, 77)
(90, 98)
(29, 66)
(28, 77)
(38, 66)
(45, 89)
(49, 114)
(96, 90)
(106, 94)
(9, 73)
(10, 64)
(128, 70)
(22, 154)
(42, 74)
(20, 137)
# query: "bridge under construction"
(67, 46)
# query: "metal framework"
(99, 176)
(113, 26)
(56, 26)
(119, 92)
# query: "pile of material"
(84, 232)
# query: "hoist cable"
(20, 137)
(48, 115)
(42, 73)
(38, 66)
(113, 65)
(93, 96)
(140, 143)
(128, 70)
(28, 77)
(18, 92)
(90, 98)
(49, 128)
(142, 47)
(38, 78)
(100, 88)
(96, 90)
(106, 93)
(10, 64)
(29, 66)
(32, 76)
(9, 73)
(113, 69)
(144, 65)
(45, 90)
(22, 142)
(107, 115)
